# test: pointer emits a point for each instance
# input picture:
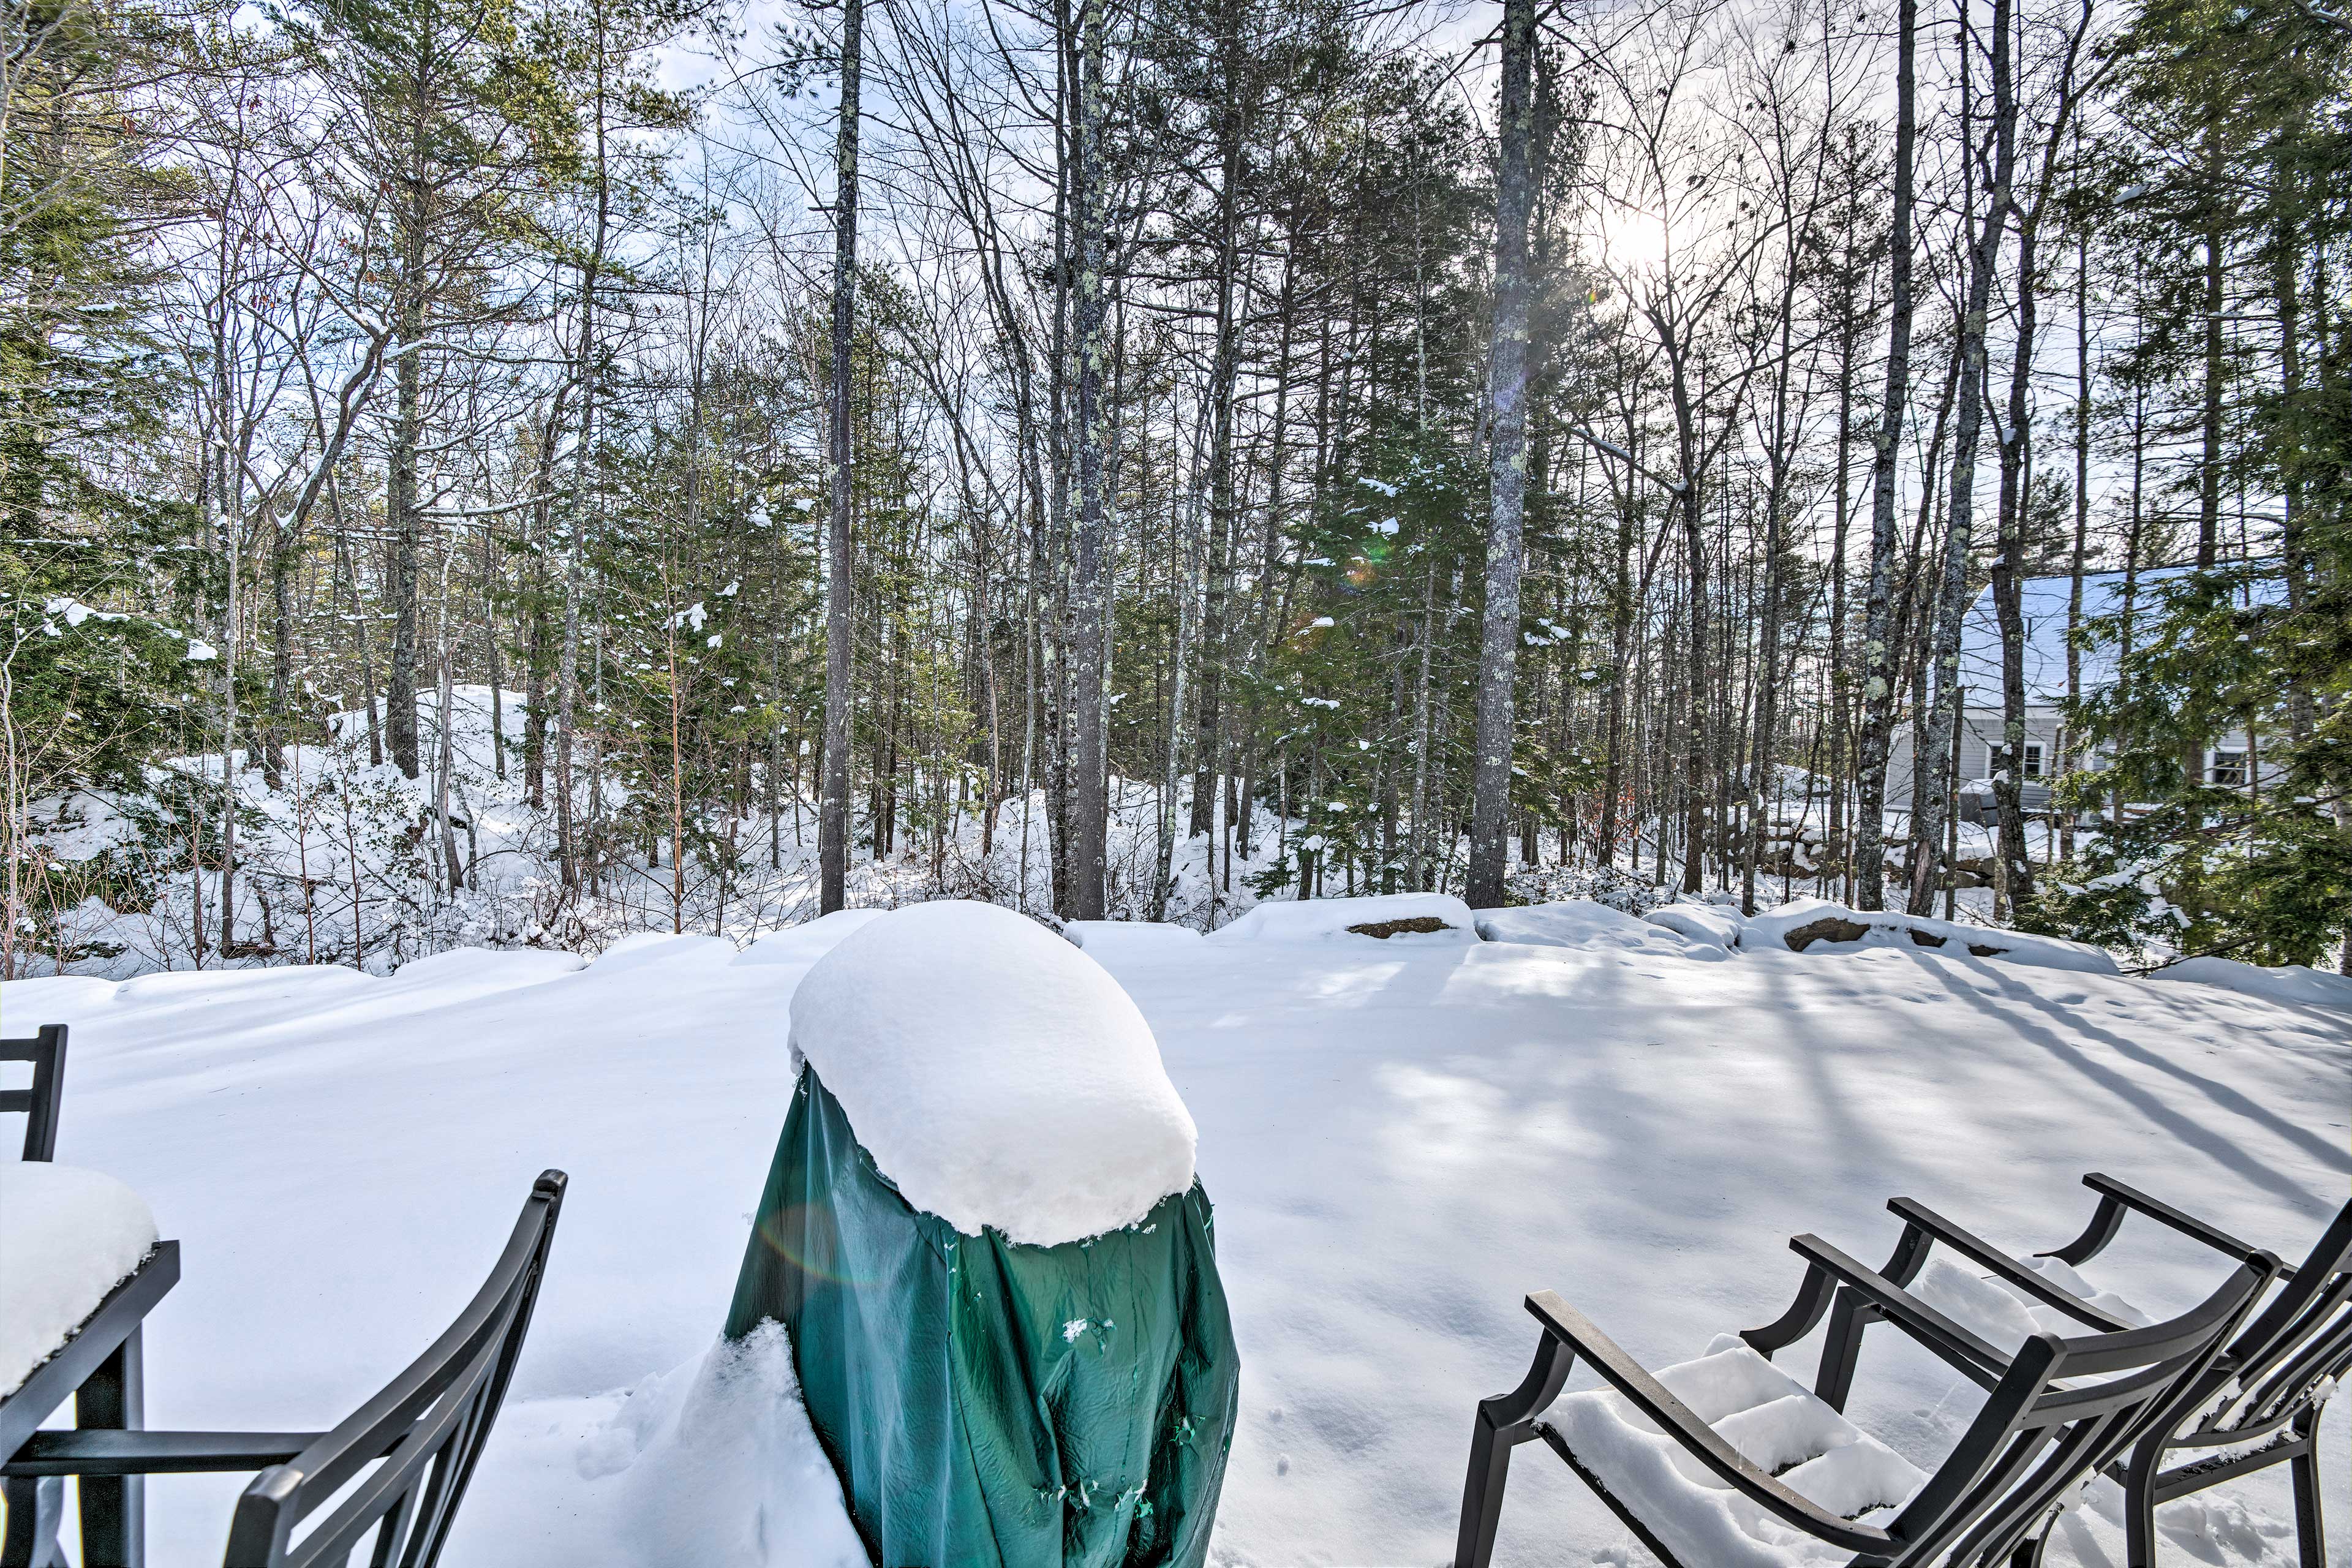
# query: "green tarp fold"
(986, 1404)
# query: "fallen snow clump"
(996, 1073)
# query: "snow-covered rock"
(807, 942)
(1581, 923)
(996, 1073)
(66, 1238)
(1423, 918)
(645, 949)
(1126, 941)
(2286, 983)
(1807, 925)
(1712, 925)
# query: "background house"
(2044, 602)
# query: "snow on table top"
(1404, 1139)
(1334, 920)
(995, 1072)
(66, 1238)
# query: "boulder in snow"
(1581, 923)
(1426, 918)
(1712, 925)
(1804, 925)
(2292, 983)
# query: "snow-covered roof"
(2044, 601)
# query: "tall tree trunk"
(833, 809)
(1878, 671)
(1090, 310)
(1951, 605)
(1498, 640)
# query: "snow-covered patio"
(1402, 1138)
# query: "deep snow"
(1403, 1138)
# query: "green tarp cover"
(990, 1403)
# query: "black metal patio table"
(99, 1368)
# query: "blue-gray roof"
(2043, 600)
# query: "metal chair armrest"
(2118, 1199)
(1960, 1347)
(96, 1452)
(1655, 1400)
(1977, 1250)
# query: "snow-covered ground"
(1403, 1138)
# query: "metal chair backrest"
(2299, 1340)
(2043, 1429)
(47, 1052)
(422, 1434)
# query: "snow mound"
(1775, 1422)
(1803, 924)
(715, 1463)
(1711, 925)
(1580, 922)
(66, 1238)
(639, 948)
(2286, 982)
(1128, 941)
(499, 967)
(996, 1073)
(1422, 918)
(809, 941)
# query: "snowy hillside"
(1402, 1138)
(346, 857)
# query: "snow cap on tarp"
(997, 1075)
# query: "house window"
(2227, 770)
(2033, 769)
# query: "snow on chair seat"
(1775, 1422)
(2057, 1412)
(2256, 1408)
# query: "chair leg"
(114, 1507)
(1842, 1347)
(1502, 1424)
(34, 1507)
(2311, 1541)
(2139, 1502)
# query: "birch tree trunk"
(832, 808)
(1878, 672)
(1090, 308)
(1943, 727)
(1498, 641)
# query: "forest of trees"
(1124, 459)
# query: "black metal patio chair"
(2042, 1431)
(2258, 1405)
(388, 1478)
(39, 1103)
